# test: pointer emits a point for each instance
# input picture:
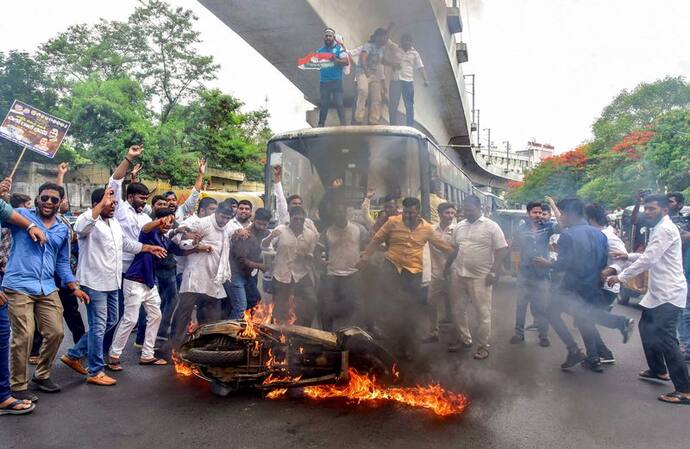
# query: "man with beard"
(532, 240)
(188, 206)
(331, 78)
(29, 284)
(100, 272)
(132, 218)
(665, 298)
(294, 244)
(676, 201)
(405, 237)
(202, 282)
(19, 403)
(283, 205)
(342, 241)
(246, 261)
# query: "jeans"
(102, 315)
(167, 289)
(5, 391)
(587, 316)
(684, 326)
(109, 334)
(237, 297)
(658, 334)
(406, 89)
(532, 292)
(330, 89)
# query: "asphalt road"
(520, 399)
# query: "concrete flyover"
(284, 30)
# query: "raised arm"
(9, 215)
(283, 215)
(121, 170)
(187, 207)
(62, 170)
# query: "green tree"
(227, 137)
(669, 151)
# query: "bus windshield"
(315, 165)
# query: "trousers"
(472, 292)
(138, 295)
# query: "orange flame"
(362, 388)
(181, 368)
(259, 314)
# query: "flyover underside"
(284, 30)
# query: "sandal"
(675, 397)
(481, 354)
(648, 375)
(11, 408)
(114, 364)
(153, 361)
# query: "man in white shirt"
(343, 241)
(99, 271)
(202, 281)
(294, 245)
(131, 216)
(482, 249)
(665, 298)
(402, 82)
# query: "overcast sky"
(545, 68)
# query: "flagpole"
(17, 164)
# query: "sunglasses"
(53, 199)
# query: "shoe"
(532, 327)
(74, 364)
(627, 329)
(574, 357)
(650, 376)
(430, 339)
(25, 395)
(607, 358)
(515, 339)
(544, 342)
(101, 379)
(46, 385)
(593, 365)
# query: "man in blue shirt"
(582, 256)
(532, 240)
(331, 77)
(29, 283)
(11, 404)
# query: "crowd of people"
(384, 73)
(157, 267)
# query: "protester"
(283, 205)
(140, 290)
(402, 83)
(331, 78)
(100, 273)
(532, 240)
(342, 243)
(207, 206)
(582, 256)
(370, 75)
(666, 297)
(676, 201)
(202, 286)
(482, 250)
(29, 284)
(246, 261)
(294, 245)
(132, 218)
(405, 237)
(439, 289)
(19, 402)
(188, 206)
(70, 304)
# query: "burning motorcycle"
(238, 354)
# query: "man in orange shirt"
(405, 236)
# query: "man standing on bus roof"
(402, 83)
(331, 77)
